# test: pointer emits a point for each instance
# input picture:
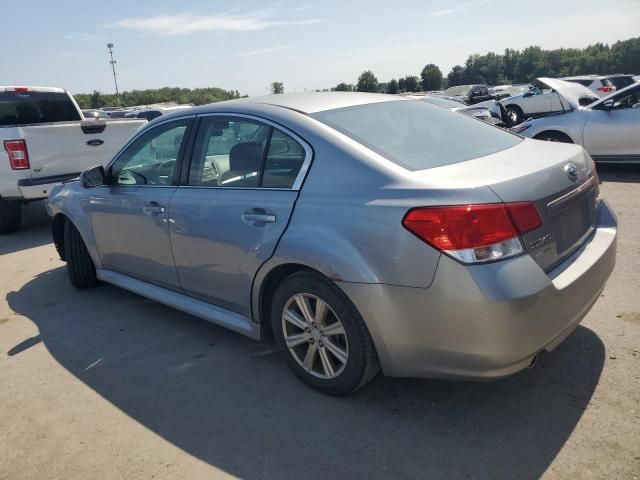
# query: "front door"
(612, 133)
(227, 218)
(130, 215)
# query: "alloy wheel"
(315, 336)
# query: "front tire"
(321, 335)
(515, 113)
(10, 216)
(82, 271)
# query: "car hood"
(570, 91)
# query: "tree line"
(197, 96)
(512, 67)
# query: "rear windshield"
(417, 135)
(28, 108)
(621, 82)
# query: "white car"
(608, 129)
(541, 100)
(45, 140)
(599, 84)
(489, 111)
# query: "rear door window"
(29, 108)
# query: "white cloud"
(264, 51)
(186, 23)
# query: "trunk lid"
(558, 178)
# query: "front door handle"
(152, 209)
(258, 217)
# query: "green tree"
(411, 83)
(402, 87)
(277, 88)
(431, 77)
(392, 86)
(456, 76)
(367, 82)
(343, 87)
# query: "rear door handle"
(258, 217)
(152, 209)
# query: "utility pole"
(113, 67)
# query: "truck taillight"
(18, 154)
(474, 233)
(606, 89)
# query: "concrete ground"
(103, 384)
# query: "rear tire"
(82, 271)
(10, 216)
(515, 113)
(343, 357)
(553, 137)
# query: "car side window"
(632, 100)
(284, 161)
(151, 159)
(241, 153)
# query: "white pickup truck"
(46, 140)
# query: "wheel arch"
(57, 232)
(554, 131)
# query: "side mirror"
(93, 177)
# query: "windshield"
(444, 102)
(417, 135)
(460, 90)
(27, 108)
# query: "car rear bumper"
(485, 321)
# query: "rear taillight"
(474, 233)
(18, 154)
(606, 89)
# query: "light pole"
(113, 67)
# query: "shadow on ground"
(34, 231)
(619, 173)
(233, 403)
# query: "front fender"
(73, 201)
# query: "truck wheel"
(321, 334)
(516, 115)
(10, 216)
(82, 271)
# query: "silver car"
(361, 231)
(608, 129)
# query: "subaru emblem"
(572, 171)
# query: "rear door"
(233, 205)
(612, 134)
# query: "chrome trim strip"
(559, 205)
(212, 313)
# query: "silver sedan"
(362, 232)
(608, 129)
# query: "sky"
(246, 45)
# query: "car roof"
(303, 102)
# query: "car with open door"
(362, 232)
(608, 129)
